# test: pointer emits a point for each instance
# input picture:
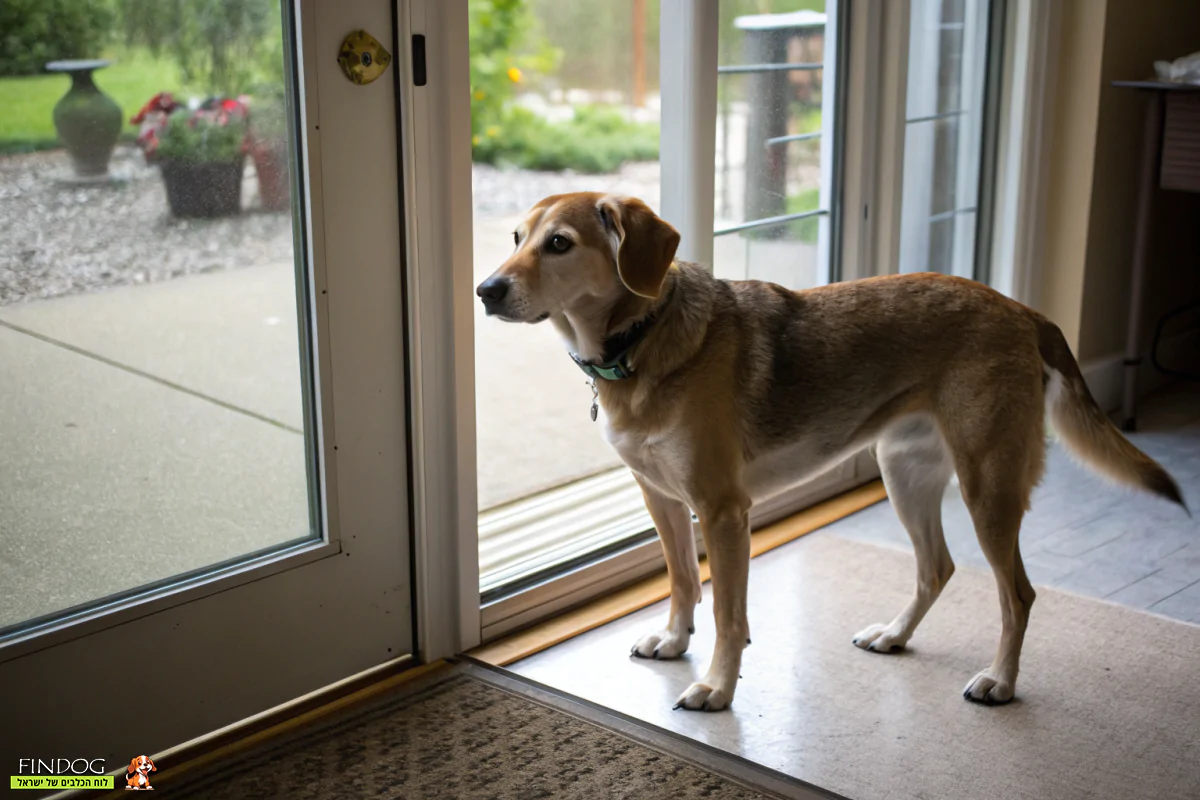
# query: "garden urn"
(87, 120)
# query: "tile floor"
(1086, 537)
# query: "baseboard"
(1105, 376)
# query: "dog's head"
(573, 250)
(142, 765)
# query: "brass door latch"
(363, 58)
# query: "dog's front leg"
(674, 523)
(726, 528)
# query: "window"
(946, 137)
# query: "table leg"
(1141, 246)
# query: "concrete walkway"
(153, 430)
(147, 432)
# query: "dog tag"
(595, 402)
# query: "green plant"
(221, 46)
(33, 32)
(805, 230)
(202, 139)
(594, 140)
(507, 50)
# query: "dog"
(137, 776)
(718, 394)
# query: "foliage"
(215, 133)
(33, 32)
(221, 46)
(804, 230)
(509, 51)
(499, 31)
(28, 122)
(594, 140)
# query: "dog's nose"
(493, 290)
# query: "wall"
(1135, 35)
(1076, 96)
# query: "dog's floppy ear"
(133, 765)
(645, 244)
(151, 763)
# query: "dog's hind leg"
(916, 468)
(674, 523)
(997, 510)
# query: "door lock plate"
(363, 58)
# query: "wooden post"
(639, 53)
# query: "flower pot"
(87, 120)
(274, 183)
(203, 190)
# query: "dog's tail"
(1086, 429)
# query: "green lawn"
(27, 122)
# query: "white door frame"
(225, 645)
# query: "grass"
(28, 124)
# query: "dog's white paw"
(988, 689)
(880, 639)
(662, 644)
(702, 697)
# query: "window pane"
(943, 135)
(153, 400)
(774, 141)
(565, 98)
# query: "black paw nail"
(692, 629)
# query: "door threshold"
(537, 638)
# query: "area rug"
(470, 732)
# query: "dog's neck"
(587, 329)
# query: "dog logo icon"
(137, 777)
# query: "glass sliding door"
(203, 256)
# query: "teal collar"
(615, 363)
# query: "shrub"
(221, 46)
(507, 49)
(33, 32)
(595, 140)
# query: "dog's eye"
(558, 243)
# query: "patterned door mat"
(472, 731)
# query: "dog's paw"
(879, 639)
(662, 644)
(988, 689)
(702, 697)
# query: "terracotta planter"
(203, 190)
(87, 120)
(274, 182)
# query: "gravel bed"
(63, 239)
(58, 239)
(505, 191)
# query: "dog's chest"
(648, 455)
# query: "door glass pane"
(944, 125)
(153, 392)
(564, 98)
(775, 139)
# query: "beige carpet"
(1108, 700)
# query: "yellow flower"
(514, 74)
(474, 140)
(492, 130)
(479, 94)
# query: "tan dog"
(137, 776)
(718, 394)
